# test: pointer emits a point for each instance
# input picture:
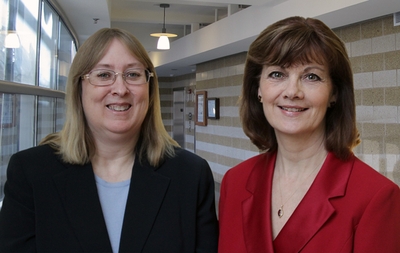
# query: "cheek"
(141, 95)
(324, 98)
(269, 93)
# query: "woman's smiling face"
(118, 108)
(295, 99)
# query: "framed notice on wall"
(213, 108)
(201, 108)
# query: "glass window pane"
(26, 119)
(46, 117)
(18, 61)
(66, 54)
(9, 132)
(48, 47)
(60, 114)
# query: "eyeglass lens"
(103, 77)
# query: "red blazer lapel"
(315, 208)
(256, 209)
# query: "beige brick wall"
(222, 142)
(374, 50)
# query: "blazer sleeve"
(207, 224)
(379, 227)
(17, 220)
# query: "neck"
(292, 161)
(113, 170)
(114, 162)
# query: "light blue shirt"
(113, 197)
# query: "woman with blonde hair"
(112, 180)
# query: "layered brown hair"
(298, 40)
(75, 141)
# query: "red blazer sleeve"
(379, 226)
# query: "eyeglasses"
(105, 77)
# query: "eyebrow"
(315, 67)
(108, 66)
(322, 68)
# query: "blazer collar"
(77, 188)
(313, 211)
(78, 191)
(256, 209)
(315, 208)
(146, 194)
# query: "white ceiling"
(226, 26)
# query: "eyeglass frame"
(148, 76)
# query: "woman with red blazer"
(307, 192)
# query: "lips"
(292, 109)
(119, 108)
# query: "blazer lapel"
(315, 208)
(78, 191)
(256, 209)
(146, 194)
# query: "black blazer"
(51, 206)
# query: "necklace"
(280, 210)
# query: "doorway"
(178, 127)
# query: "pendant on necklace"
(280, 212)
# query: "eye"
(276, 75)
(312, 77)
(104, 74)
(133, 73)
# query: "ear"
(333, 98)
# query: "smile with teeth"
(291, 109)
(119, 108)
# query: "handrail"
(17, 88)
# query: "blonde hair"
(75, 141)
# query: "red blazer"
(350, 207)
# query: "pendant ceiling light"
(163, 41)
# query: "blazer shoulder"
(371, 177)
(248, 165)
(183, 163)
(41, 152)
(186, 157)
(240, 173)
(365, 183)
(36, 160)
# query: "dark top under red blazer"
(350, 207)
(51, 206)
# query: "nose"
(293, 89)
(119, 87)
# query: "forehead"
(308, 55)
(118, 55)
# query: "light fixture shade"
(12, 40)
(163, 43)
